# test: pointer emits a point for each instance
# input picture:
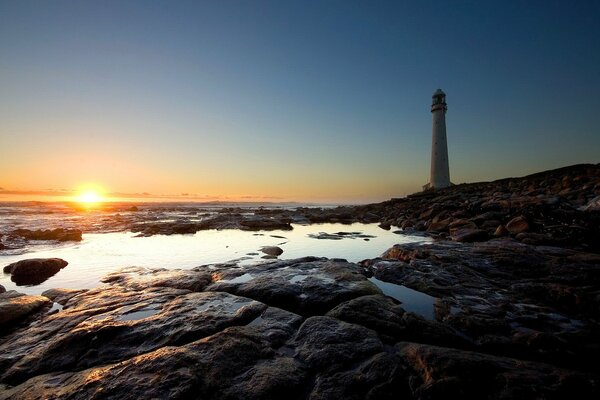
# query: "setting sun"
(89, 194)
(89, 197)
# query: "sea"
(109, 245)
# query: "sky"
(322, 101)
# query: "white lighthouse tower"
(440, 171)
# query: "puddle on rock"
(56, 307)
(140, 314)
(240, 279)
(412, 300)
(298, 278)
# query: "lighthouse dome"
(438, 93)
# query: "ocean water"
(108, 245)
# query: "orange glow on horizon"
(90, 194)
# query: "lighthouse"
(440, 171)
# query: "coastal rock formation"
(60, 234)
(309, 328)
(509, 298)
(222, 220)
(555, 208)
(34, 271)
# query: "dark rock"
(326, 341)
(2, 289)
(517, 225)
(469, 235)
(34, 271)
(60, 234)
(448, 373)
(309, 286)
(272, 250)
(501, 231)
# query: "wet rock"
(393, 324)
(15, 306)
(308, 286)
(34, 271)
(237, 362)
(60, 234)
(61, 296)
(142, 278)
(272, 250)
(114, 323)
(340, 235)
(517, 225)
(494, 291)
(325, 341)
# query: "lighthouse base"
(428, 187)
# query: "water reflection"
(101, 253)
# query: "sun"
(89, 194)
(89, 197)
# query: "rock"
(492, 291)
(469, 235)
(34, 271)
(144, 335)
(592, 205)
(440, 226)
(142, 278)
(325, 341)
(2, 289)
(272, 250)
(61, 296)
(517, 225)
(393, 324)
(448, 373)
(235, 363)
(60, 234)
(15, 306)
(501, 231)
(123, 323)
(309, 286)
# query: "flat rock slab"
(309, 286)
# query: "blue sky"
(325, 101)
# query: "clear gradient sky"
(291, 100)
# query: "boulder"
(34, 271)
(469, 235)
(517, 225)
(272, 250)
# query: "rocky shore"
(513, 276)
